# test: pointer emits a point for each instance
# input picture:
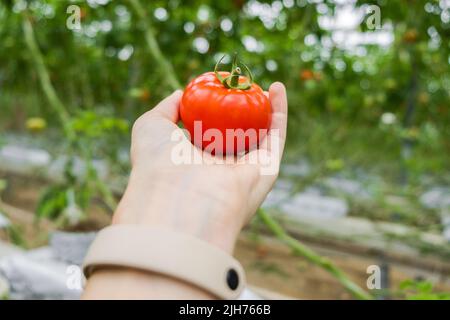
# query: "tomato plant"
(230, 103)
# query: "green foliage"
(15, 236)
(66, 202)
(334, 164)
(51, 203)
(421, 290)
(92, 125)
(3, 185)
(342, 92)
(63, 203)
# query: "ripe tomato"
(306, 75)
(225, 105)
(144, 95)
(411, 36)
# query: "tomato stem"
(235, 72)
(232, 80)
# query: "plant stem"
(235, 72)
(102, 188)
(166, 68)
(299, 249)
(44, 78)
(61, 110)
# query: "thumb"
(168, 108)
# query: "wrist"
(169, 253)
(115, 283)
(159, 199)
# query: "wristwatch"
(167, 252)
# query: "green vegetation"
(420, 290)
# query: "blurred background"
(365, 180)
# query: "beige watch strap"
(167, 252)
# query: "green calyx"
(232, 81)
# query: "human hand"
(211, 201)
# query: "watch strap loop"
(167, 252)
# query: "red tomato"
(208, 100)
(144, 95)
(306, 75)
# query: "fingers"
(275, 140)
(167, 110)
(169, 107)
(278, 100)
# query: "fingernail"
(278, 83)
